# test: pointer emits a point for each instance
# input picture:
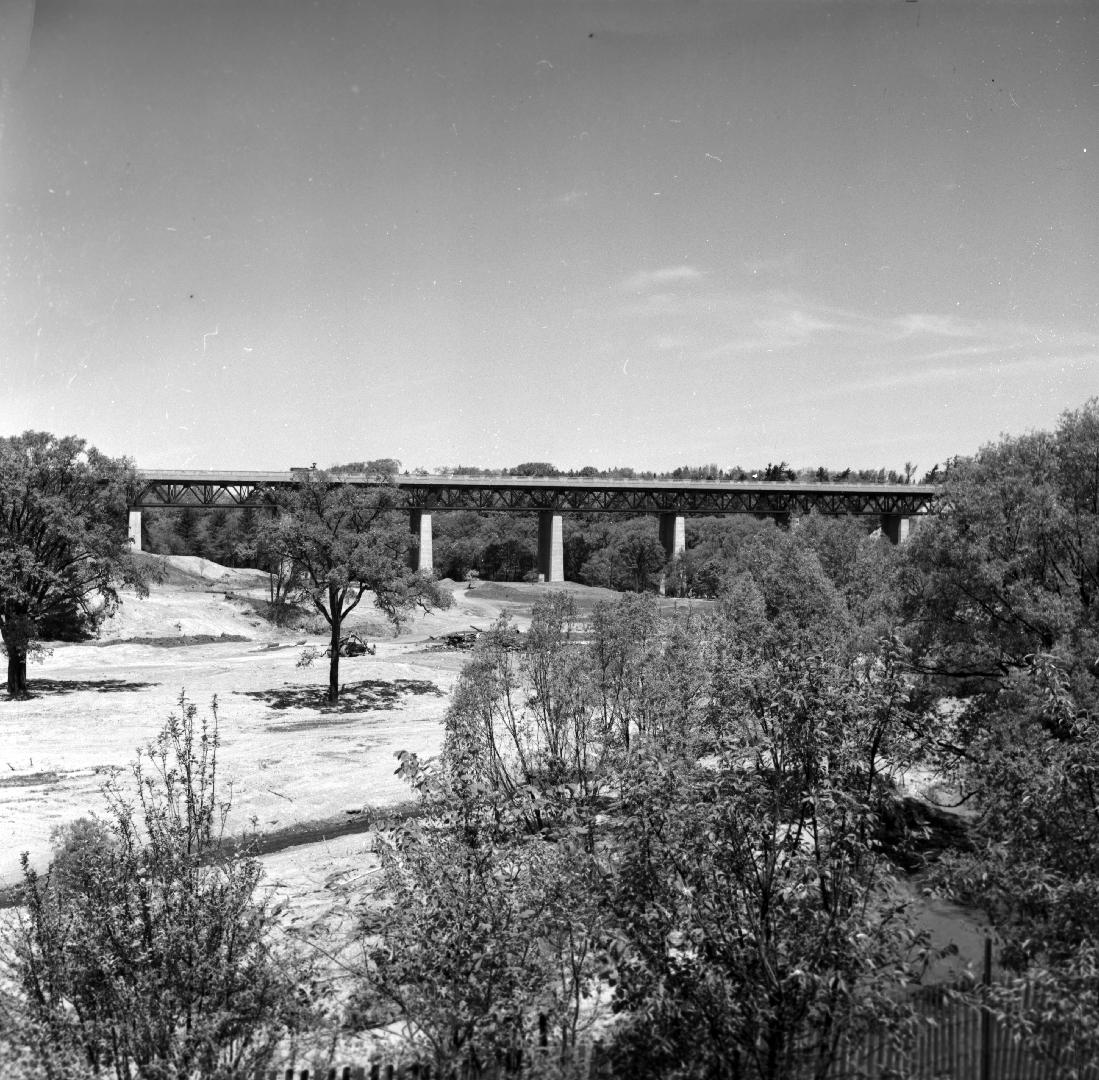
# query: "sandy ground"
(288, 761)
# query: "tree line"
(772, 472)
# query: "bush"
(144, 951)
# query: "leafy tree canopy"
(347, 540)
(64, 546)
(373, 467)
(535, 468)
(1000, 604)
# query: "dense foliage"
(1000, 604)
(716, 794)
(671, 826)
(145, 951)
(64, 547)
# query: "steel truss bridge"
(673, 500)
(213, 490)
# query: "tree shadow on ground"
(354, 697)
(52, 687)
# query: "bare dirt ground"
(290, 760)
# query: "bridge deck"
(221, 488)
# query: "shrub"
(144, 951)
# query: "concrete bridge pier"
(896, 527)
(673, 534)
(420, 556)
(551, 546)
(135, 530)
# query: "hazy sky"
(261, 233)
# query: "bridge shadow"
(367, 694)
(54, 687)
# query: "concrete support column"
(896, 527)
(420, 557)
(781, 518)
(551, 546)
(673, 534)
(135, 530)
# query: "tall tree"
(64, 546)
(1001, 605)
(347, 540)
(632, 559)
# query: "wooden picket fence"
(959, 1040)
(956, 1041)
(585, 1065)
(956, 1038)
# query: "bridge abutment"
(551, 546)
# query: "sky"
(256, 234)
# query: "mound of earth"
(195, 572)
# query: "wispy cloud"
(735, 330)
(949, 326)
(644, 280)
(991, 372)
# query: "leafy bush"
(676, 818)
(145, 951)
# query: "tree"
(459, 542)
(632, 558)
(145, 950)
(535, 468)
(510, 547)
(755, 920)
(779, 472)
(64, 547)
(1000, 598)
(860, 565)
(704, 795)
(714, 553)
(800, 602)
(753, 930)
(348, 540)
(374, 467)
(482, 939)
(188, 529)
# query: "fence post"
(986, 1015)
